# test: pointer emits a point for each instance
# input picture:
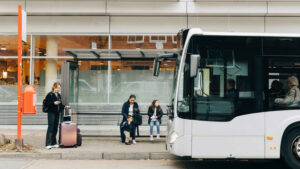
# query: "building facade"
(55, 25)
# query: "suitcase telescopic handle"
(70, 112)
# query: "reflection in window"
(135, 77)
(93, 78)
(174, 39)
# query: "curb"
(92, 156)
(31, 155)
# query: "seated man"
(292, 98)
(276, 91)
(231, 92)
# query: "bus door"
(225, 99)
(69, 82)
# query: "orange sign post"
(19, 140)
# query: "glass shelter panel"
(92, 84)
(135, 77)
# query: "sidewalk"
(92, 147)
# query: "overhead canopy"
(118, 54)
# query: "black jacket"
(232, 93)
(50, 99)
(125, 109)
(126, 126)
(159, 113)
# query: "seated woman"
(292, 98)
(130, 107)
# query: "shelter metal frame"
(111, 54)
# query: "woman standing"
(131, 108)
(54, 106)
(155, 113)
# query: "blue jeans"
(157, 126)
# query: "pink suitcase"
(68, 135)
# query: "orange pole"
(19, 70)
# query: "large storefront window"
(92, 79)
(44, 45)
(9, 78)
(46, 72)
(99, 81)
(9, 46)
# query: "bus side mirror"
(194, 64)
(156, 66)
(158, 60)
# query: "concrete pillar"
(51, 64)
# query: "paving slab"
(93, 148)
(126, 156)
(83, 155)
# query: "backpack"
(137, 119)
(45, 107)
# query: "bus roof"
(254, 34)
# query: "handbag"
(137, 119)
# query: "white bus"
(225, 96)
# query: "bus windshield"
(236, 76)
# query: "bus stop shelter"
(70, 71)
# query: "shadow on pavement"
(231, 164)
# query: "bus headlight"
(173, 137)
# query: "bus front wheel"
(291, 149)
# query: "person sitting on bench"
(292, 98)
(127, 128)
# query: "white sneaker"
(133, 142)
(48, 147)
(151, 138)
(55, 146)
(157, 136)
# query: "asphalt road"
(14, 164)
(137, 164)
